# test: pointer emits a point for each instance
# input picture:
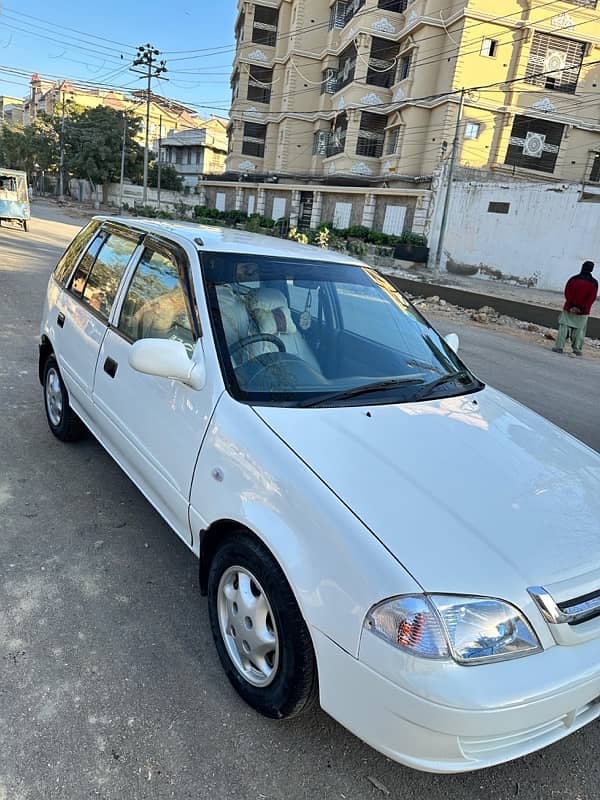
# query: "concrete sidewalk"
(524, 303)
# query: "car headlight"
(472, 630)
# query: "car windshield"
(309, 333)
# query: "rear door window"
(155, 305)
(101, 269)
(65, 266)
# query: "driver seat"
(270, 311)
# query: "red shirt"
(581, 293)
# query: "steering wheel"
(257, 337)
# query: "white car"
(375, 527)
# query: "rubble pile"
(486, 315)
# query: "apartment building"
(361, 98)
(47, 97)
(195, 152)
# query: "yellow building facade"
(165, 115)
(371, 89)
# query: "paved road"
(109, 685)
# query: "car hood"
(474, 494)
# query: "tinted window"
(86, 263)
(73, 251)
(155, 305)
(100, 270)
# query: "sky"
(85, 41)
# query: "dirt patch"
(489, 318)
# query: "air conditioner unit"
(534, 145)
(555, 61)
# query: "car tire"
(259, 614)
(62, 420)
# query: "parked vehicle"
(14, 197)
(374, 526)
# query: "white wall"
(545, 237)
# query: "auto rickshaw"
(14, 196)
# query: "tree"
(24, 147)
(93, 143)
(169, 177)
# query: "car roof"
(229, 240)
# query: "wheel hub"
(247, 626)
(54, 401)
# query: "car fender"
(247, 477)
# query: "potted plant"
(412, 247)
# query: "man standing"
(580, 293)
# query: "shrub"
(234, 216)
(408, 237)
(358, 232)
(181, 209)
(145, 211)
(164, 214)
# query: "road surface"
(109, 684)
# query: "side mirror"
(166, 358)
(452, 341)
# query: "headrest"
(267, 300)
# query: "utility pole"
(123, 161)
(444, 222)
(149, 68)
(61, 167)
(159, 162)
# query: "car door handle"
(60, 320)
(110, 367)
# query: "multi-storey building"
(47, 97)
(368, 93)
(195, 152)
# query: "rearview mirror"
(166, 358)
(452, 341)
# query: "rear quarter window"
(65, 266)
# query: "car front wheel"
(261, 638)
(63, 421)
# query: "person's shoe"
(557, 350)
(577, 353)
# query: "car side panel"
(335, 566)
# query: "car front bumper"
(445, 718)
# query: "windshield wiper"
(366, 388)
(460, 374)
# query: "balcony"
(382, 63)
(264, 27)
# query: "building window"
(595, 171)
(320, 143)
(235, 86)
(382, 63)
(472, 130)
(341, 13)
(259, 84)
(329, 81)
(534, 144)
(498, 208)
(404, 67)
(239, 29)
(371, 134)
(337, 136)
(398, 6)
(347, 66)
(560, 57)
(264, 28)
(391, 144)
(253, 140)
(489, 47)
(337, 15)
